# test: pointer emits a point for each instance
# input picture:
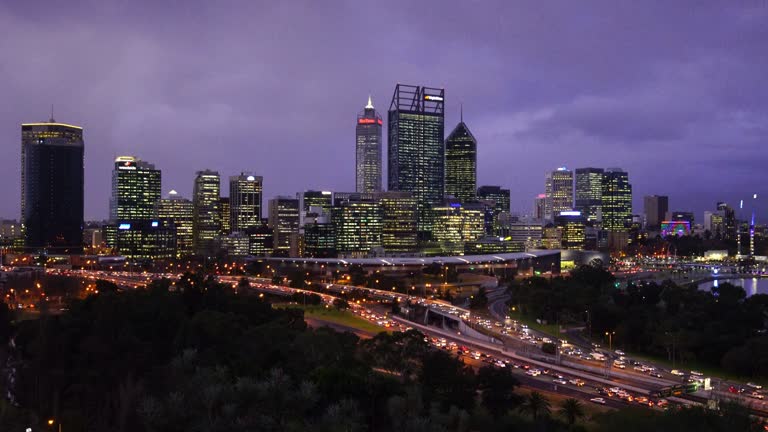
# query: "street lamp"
(610, 339)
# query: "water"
(751, 285)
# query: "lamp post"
(610, 339)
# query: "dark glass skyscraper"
(368, 150)
(416, 153)
(461, 164)
(589, 193)
(52, 178)
(656, 208)
(135, 190)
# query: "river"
(751, 285)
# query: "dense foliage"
(201, 357)
(718, 328)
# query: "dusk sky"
(675, 92)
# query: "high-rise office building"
(52, 181)
(398, 232)
(540, 206)
(321, 201)
(357, 227)
(656, 208)
(589, 193)
(559, 190)
(416, 153)
(245, 192)
(461, 164)
(572, 226)
(497, 194)
(206, 202)
(454, 225)
(146, 239)
(135, 190)
(181, 211)
(224, 214)
(729, 220)
(617, 200)
(368, 150)
(284, 218)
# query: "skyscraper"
(52, 177)
(368, 150)
(224, 214)
(461, 164)
(135, 190)
(416, 153)
(617, 200)
(207, 212)
(398, 232)
(497, 194)
(357, 227)
(245, 192)
(559, 190)
(284, 222)
(539, 206)
(589, 193)
(181, 211)
(656, 208)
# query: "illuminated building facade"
(207, 212)
(260, 241)
(224, 215)
(314, 203)
(675, 228)
(499, 201)
(461, 164)
(319, 240)
(656, 208)
(617, 200)
(416, 153)
(357, 227)
(572, 226)
(455, 225)
(284, 217)
(368, 150)
(558, 187)
(146, 239)
(181, 211)
(245, 198)
(135, 189)
(589, 193)
(52, 176)
(398, 213)
(527, 233)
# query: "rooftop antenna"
(461, 111)
(52, 120)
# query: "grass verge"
(332, 315)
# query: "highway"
(516, 350)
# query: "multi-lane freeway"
(571, 372)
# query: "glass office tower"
(416, 153)
(461, 164)
(245, 198)
(52, 181)
(368, 150)
(207, 212)
(589, 193)
(135, 189)
(617, 200)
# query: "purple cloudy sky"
(673, 91)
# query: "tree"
(340, 304)
(536, 405)
(549, 348)
(243, 284)
(479, 300)
(497, 387)
(571, 410)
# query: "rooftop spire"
(52, 120)
(370, 103)
(461, 111)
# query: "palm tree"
(571, 410)
(536, 405)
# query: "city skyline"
(645, 116)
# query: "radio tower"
(752, 228)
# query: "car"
(598, 400)
(620, 352)
(697, 373)
(754, 386)
(560, 381)
(577, 382)
(619, 365)
(756, 395)
(655, 375)
(677, 372)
